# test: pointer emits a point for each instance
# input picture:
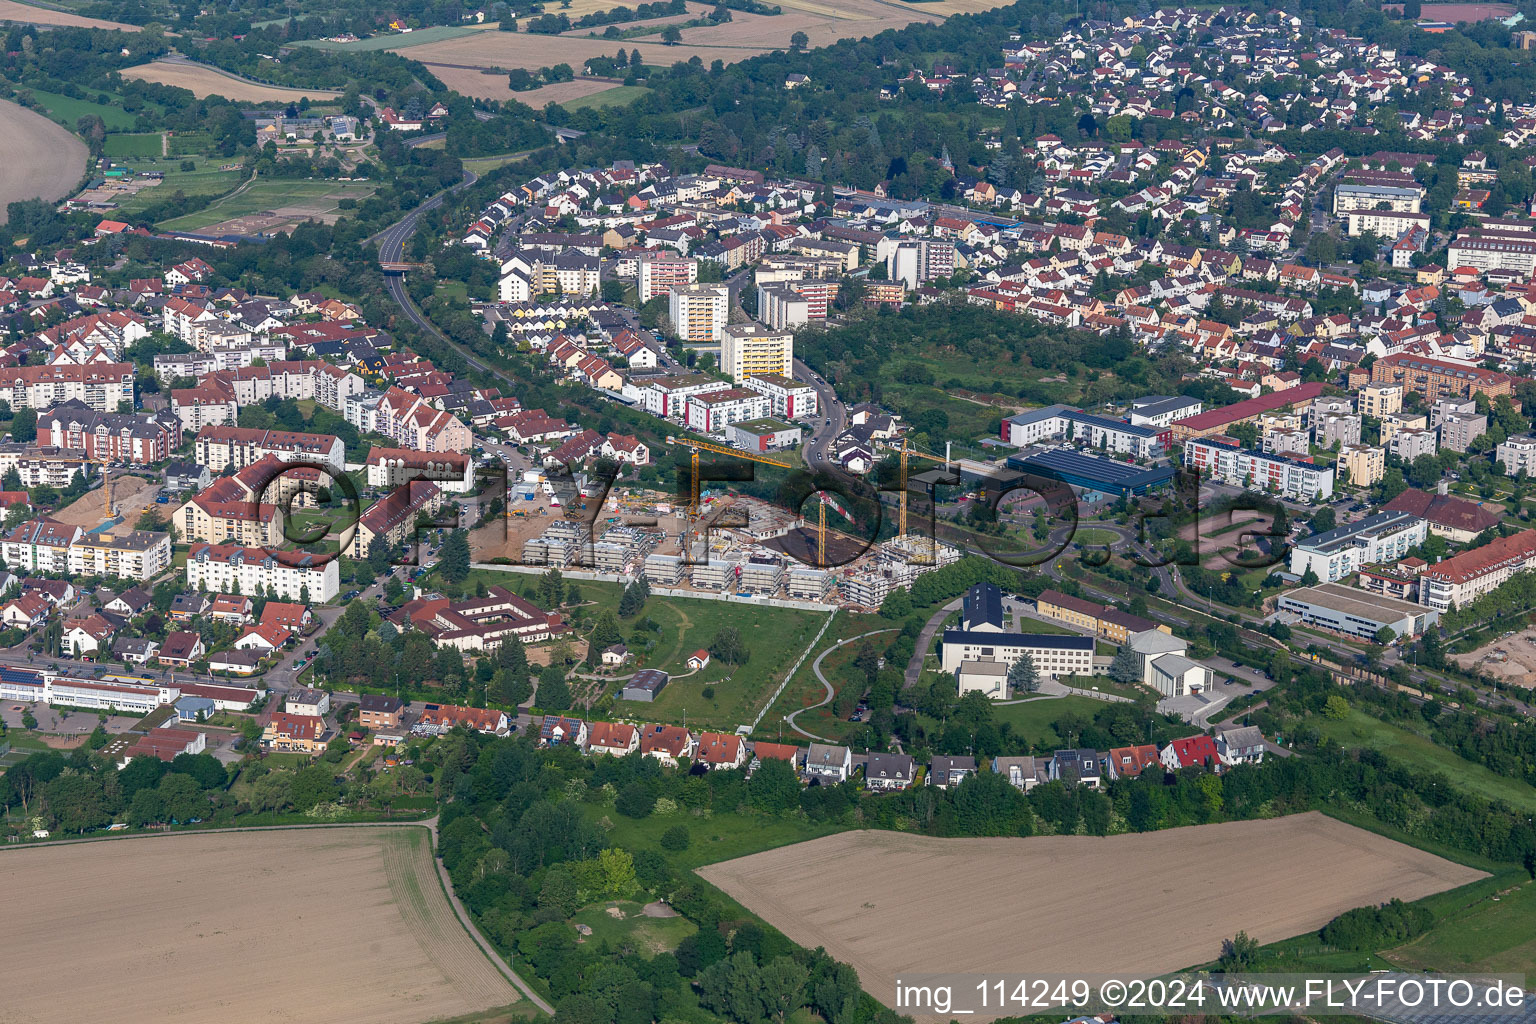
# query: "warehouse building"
(1357, 613)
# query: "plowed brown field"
(1140, 904)
(328, 926)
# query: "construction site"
(714, 542)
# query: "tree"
(1126, 668)
(728, 647)
(635, 800)
(783, 983)
(1023, 677)
(676, 838)
(799, 41)
(554, 693)
(1239, 952)
(1385, 635)
(455, 557)
(671, 35)
(24, 426)
(1323, 519)
(1336, 708)
(633, 600)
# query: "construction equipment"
(106, 486)
(905, 450)
(693, 460)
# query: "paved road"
(832, 417)
(826, 684)
(925, 643)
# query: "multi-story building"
(659, 274)
(1335, 428)
(214, 518)
(1054, 654)
(105, 387)
(1385, 223)
(453, 472)
(917, 261)
(220, 448)
(1436, 379)
(1377, 400)
(392, 519)
(711, 411)
(129, 555)
(1349, 197)
(1518, 454)
(39, 545)
(1336, 553)
(1055, 421)
(756, 349)
(288, 575)
(698, 312)
(1485, 254)
(795, 303)
(141, 438)
(667, 397)
(1459, 430)
(1410, 444)
(1225, 459)
(789, 399)
(44, 465)
(1366, 463)
(1461, 579)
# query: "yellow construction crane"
(693, 460)
(905, 450)
(106, 485)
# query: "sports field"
(268, 205)
(204, 82)
(43, 160)
(890, 903)
(314, 926)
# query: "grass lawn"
(67, 110)
(486, 164)
(618, 96)
(1495, 934)
(1361, 730)
(140, 145)
(1095, 535)
(189, 143)
(205, 181)
(1035, 720)
(321, 197)
(395, 41)
(631, 927)
(721, 836)
(805, 689)
(774, 636)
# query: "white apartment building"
(1517, 453)
(1461, 579)
(698, 312)
(232, 569)
(917, 261)
(1486, 254)
(756, 349)
(1350, 197)
(711, 411)
(790, 399)
(1340, 552)
(131, 555)
(1225, 460)
(102, 386)
(1054, 654)
(794, 303)
(1385, 223)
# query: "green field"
(1035, 720)
(651, 934)
(396, 41)
(483, 164)
(721, 836)
(146, 144)
(206, 180)
(805, 689)
(1495, 934)
(316, 197)
(1095, 535)
(67, 110)
(618, 96)
(190, 143)
(1361, 730)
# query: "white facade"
(1383, 537)
(229, 569)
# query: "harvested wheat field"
(12, 11)
(493, 86)
(318, 925)
(45, 160)
(889, 903)
(745, 35)
(204, 82)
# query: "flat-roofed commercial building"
(1355, 612)
(1054, 654)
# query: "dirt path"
(43, 160)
